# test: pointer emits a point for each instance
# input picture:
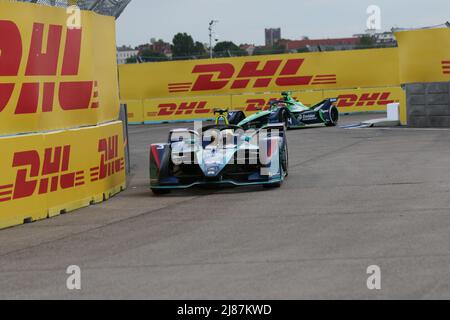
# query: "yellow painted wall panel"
(424, 55)
(48, 173)
(135, 110)
(260, 74)
(72, 83)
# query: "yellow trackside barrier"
(135, 109)
(45, 174)
(182, 109)
(369, 99)
(51, 76)
(424, 55)
(200, 108)
(259, 74)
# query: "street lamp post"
(211, 24)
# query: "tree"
(279, 47)
(302, 50)
(183, 45)
(199, 49)
(262, 51)
(150, 55)
(131, 59)
(228, 48)
(367, 40)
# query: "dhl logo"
(365, 99)
(255, 74)
(184, 108)
(346, 100)
(446, 66)
(43, 60)
(110, 162)
(34, 175)
(50, 173)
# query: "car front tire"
(159, 192)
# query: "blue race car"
(220, 154)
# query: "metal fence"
(106, 7)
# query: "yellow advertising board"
(260, 74)
(369, 99)
(424, 55)
(135, 110)
(46, 174)
(202, 107)
(53, 76)
(183, 109)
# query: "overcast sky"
(243, 21)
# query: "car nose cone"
(212, 171)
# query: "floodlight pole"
(211, 24)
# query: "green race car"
(291, 112)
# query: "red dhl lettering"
(73, 95)
(445, 67)
(254, 105)
(41, 175)
(255, 74)
(184, 108)
(365, 99)
(110, 162)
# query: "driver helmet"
(287, 96)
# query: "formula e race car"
(220, 154)
(291, 112)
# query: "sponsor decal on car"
(309, 117)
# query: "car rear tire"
(334, 117)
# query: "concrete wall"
(428, 104)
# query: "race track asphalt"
(354, 198)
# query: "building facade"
(272, 36)
(123, 53)
(321, 44)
